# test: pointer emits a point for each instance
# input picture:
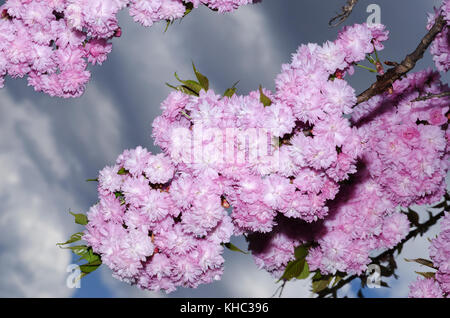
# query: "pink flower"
(437, 117)
(159, 169)
(425, 288)
(136, 161)
(339, 97)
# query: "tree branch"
(346, 11)
(430, 96)
(385, 81)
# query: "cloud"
(43, 172)
(31, 263)
(243, 279)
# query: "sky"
(50, 146)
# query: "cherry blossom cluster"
(310, 85)
(53, 41)
(440, 48)
(155, 227)
(404, 161)
(297, 166)
(161, 219)
(362, 219)
(439, 285)
(406, 140)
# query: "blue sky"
(50, 146)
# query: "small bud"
(379, 67)
(339, 74)
(225, 203)
(118, 32)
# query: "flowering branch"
(346, 11)
(384, 82)
(389, 254)
(430, 96)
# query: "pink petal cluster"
(405, 140)
(404, 162)
(156, 228)
(425, 288)
(440, 254)
(440, 48)
(316, 147)
(293, 165)
(52, 42)
(362, 219)
(272, 251)
(439, 286)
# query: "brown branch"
(346, 11)
(430, 96)
(385, 81)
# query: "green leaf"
(319, 285)
(122, 171)
(186, 90)
(189, 7)
(90, 257)
(263, 98)
(74, 238)
(421, 261)
(92, 180)
(194, 86)
(300, 252)
(231, 91)
(89, 268)
(296, 269)
(202, 79)
(305, 272)
(426, 274)
(80, 218)
(233, 248)
(171, 86)
(337, 278)
(317, 276)
(79, 250)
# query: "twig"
(430, 96)
(346, 11)
(384, 82)
(280, 289)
